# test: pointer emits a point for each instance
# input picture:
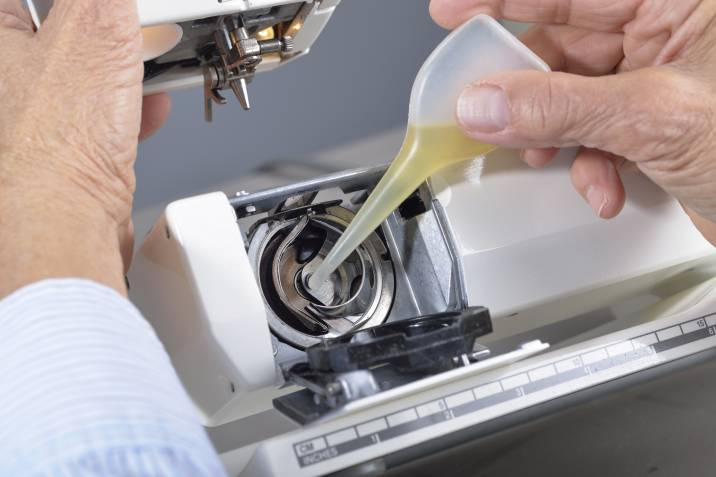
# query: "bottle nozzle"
(316, 279)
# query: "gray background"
(355, 82)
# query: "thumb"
(635, 114)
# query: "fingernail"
(483, 108)
(597, 200)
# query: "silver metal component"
(212, 80)
(358, 384)
(359, 294)
(416, 252)
(274, 345)
(240, 89)
(428, 277)
(347, 387)
(480, 352)
(239, 55)
(288, 44)
(347, 181)
(248, 49)
(293, 202)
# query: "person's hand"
(72, 106)
(635, 82)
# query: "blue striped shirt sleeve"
(86, 389)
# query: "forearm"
(54, 232)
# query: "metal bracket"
(239, 55)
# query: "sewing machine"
(613, 299)
(490, 297)
(219, 45)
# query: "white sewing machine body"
(512, 239)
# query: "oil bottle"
(433, 140)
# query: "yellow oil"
(425, 150)
(434, 147)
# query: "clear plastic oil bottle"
(433, 139)
(425, 150)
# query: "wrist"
(56, 231)
(704, 225)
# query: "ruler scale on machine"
(617, 359)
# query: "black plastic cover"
(375, 360)
(420, 344)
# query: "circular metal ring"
(366, 283)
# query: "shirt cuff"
(87, 388)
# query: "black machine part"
(421, 344)
(367, 362)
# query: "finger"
(155, 112)
(595, 176)
(126, 243)
(110, 25)
(595, 15)
(14, 16)
(575, 50)
(658, 36)
(614, 113)
(538, 158)
(705, 226)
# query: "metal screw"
(288, 44)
